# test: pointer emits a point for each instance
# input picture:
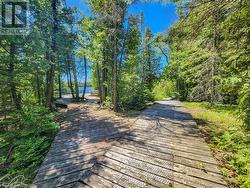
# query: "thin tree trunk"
(115, 79)
(50, 86)
(16, 98)
(59, 81)
(104, 84)
(85, 77)
(47, 57)
(75, 80)
(212, 98)
(38, 87)
(104, 78)
(69, 79)
(99, 82)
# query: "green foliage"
(209, 59)
(29, 133)
(137, 69)
(244, 106)
(151, 64)
(212, 63)
(108, 103)
(133, 96)
(236, 144)
(26, 61)
(141, 69)
(230, 141)
(164, 88)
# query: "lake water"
(88, 89)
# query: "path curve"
(163, 148)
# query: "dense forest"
(210, 53)
(127, 63)
(208, 60)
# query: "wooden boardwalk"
(162, 149)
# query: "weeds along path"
(162, 148)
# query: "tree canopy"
(207, 53)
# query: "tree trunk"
(50, 87)
(16, 98)
(104, 83)
(59, 81)
(115, 79)
(51, 75)
(69, 79)
(99, 82)
(85, 77)
(38, 88)
(104, 76)
(75, 79)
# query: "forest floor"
(161, 147)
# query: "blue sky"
(159, 17)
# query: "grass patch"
(25, 138)
(227, 138)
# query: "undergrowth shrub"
(24, 141)
(228, 138)
(236, 145)
(244, 105)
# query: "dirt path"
(95, 148)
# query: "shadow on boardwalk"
(162, 149)
(96, 148)
(85, 135)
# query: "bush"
(27, 137)
(108, 102)
(227, 137)
(244, 105)
(136, 99)
(134, 94)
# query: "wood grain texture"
(162, 148)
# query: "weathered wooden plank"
(193, 175)
(158, 132)
(93, 132)
(60, 181)
(161, 149)
(87, 140)
(86, 147)
(193, 144)
(119, 178)
(175, 152)
(67, 162)
(194, 172)
(154, 169)
(80, 184)
(55, 173)
(97, 181)
(167, 156)
(144, 176)
(172, 144)
(63, 157)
